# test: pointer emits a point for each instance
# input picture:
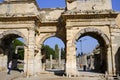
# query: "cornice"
(89, 16)
(10, 18)
(49, 23)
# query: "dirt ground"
(19, 76)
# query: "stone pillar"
(71, 68)
(3, 62)
(91, 62)
(50, 61)
(31, 46)
(38, 63)
(71, 61)
(25, 60)
(109, 61)
(59, 58)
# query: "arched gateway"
(104, 44)
(23, 18)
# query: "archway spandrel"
(15, 32)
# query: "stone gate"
(95, 18)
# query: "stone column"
(115, 44)
(109, 61)
(25, 60)
(70, 55)
(71, 61)
(91, 62)
(3, 62)
(59, 58)
(31, 46)
(50, 61)
(38, 63)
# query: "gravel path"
(19, 76)
(12, 76)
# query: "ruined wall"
(89, 5)
(47, 15)
(18, 8)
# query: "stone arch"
(92, 30)
(104, 44)
(46, 37)
(6, 37)
(15, 32)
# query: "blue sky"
(51, 3)
(53, 41)
(116, 5)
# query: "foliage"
(20, 55)
(48, 51)
(17, 42)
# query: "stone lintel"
(84, 24)
(48, 29)
(116, 30)
(89, 16)
(90, 20)
(115, 34)
(50, 23)
(11, 18)
(17, 22)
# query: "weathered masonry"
(95, 18)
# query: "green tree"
(56, 51)
(48, 51)
(20, 55)
(17, 42)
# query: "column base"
(72, 74)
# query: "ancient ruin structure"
(23, 18)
